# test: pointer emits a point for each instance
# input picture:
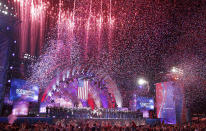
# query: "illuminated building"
(7, 24)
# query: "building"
(7, 24)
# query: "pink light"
(66, 19)
(100, 22)
(32, 14)
(111, 19)
(37, 10)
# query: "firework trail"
(71, 39)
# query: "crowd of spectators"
(90, 125)
(60, 112)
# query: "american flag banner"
(83, 87)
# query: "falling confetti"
(125, 39)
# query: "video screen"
(145, 103)
(42, 108)
(145, 114)
(21, 90)
(20, 109)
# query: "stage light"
(140, 86)
(50, 94)
(0, 4)
(36, 98)
(13, 54)
(11, 67)
(151, 107)
(174, 70)
(151, 101)
(7, 28)
(54, 87)
(36, 88)
(142, 81)
(9, 81)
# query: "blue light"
(35, 88)
(15, 41)
(151, 101)
(151, 106)
(140, 87)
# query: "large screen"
(21, 89)
(20, 108)
(42, 108)
(145, 103)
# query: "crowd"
(60, 112)
(100, 126)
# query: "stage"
(50, 120)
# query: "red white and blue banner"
(83, 89)
(165, 102)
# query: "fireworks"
(39, 17)
(122, 38)
(69, 50)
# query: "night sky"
(156, 36)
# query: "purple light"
(9, 81)
(15, 41)
(104, 100)
(7, 28)
(140, 87)
(11, 67)
(13, 54)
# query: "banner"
(83, 89)
(165, 102)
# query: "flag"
(83, 87)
